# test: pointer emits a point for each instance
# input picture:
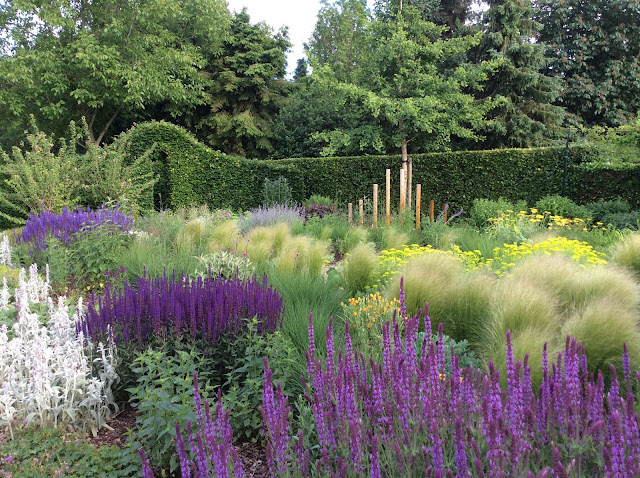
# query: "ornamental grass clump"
(67, 224)
(626, 253)
(200, 308)
(358, 268)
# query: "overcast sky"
(298, 15)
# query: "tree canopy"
(66, 60)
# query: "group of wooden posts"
(405, 202)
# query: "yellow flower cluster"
(391, 260)
(505, 257)
(512, 220)
(369, 311)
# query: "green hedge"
(192, 173)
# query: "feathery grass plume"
(354, 237)
(317, 256)
(192, 234)
(626, 253)
(357, 268)
(393, 238)
(603, 326)
(293, 255)
(519, 303)
(610, 283)
(554, 273)
(225, 235)
(469, 239)
(428, 278)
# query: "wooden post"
(418, 194)
(361, 206)
(444, 208)
(375, 205)
(350, 209)
(402, 191)
(431, 210)
(388, 197)
(409, 183)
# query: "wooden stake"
(431, 210)
(444, 208)
(361, 205)
(402, 191)
(350, 209)
(375, 205)
(418, 194)
(409, 183)
(388, 197)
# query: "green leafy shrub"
(600, 209)
(244, 386)
(562, 206)
(277, 191)
(163, 396)
(623, 220)
(319, 200)
(94, 252)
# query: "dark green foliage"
(594, 48)
(246, 90)
(524, 116)
(191, 173)
(196, 174)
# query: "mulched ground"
(252, 455)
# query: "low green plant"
(244, 385)
(226, 265)
(319, 200)
(562, 206)
(276, 191)
(163, 396)
(600, 209)
(43, 453)
(626, 253)
(302, 254)
(461, 349)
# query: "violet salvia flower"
(374, 468)
(275, 423)
(64, 226)
(461, 454)
(146, 467)
(211, 443)
(206, 308)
